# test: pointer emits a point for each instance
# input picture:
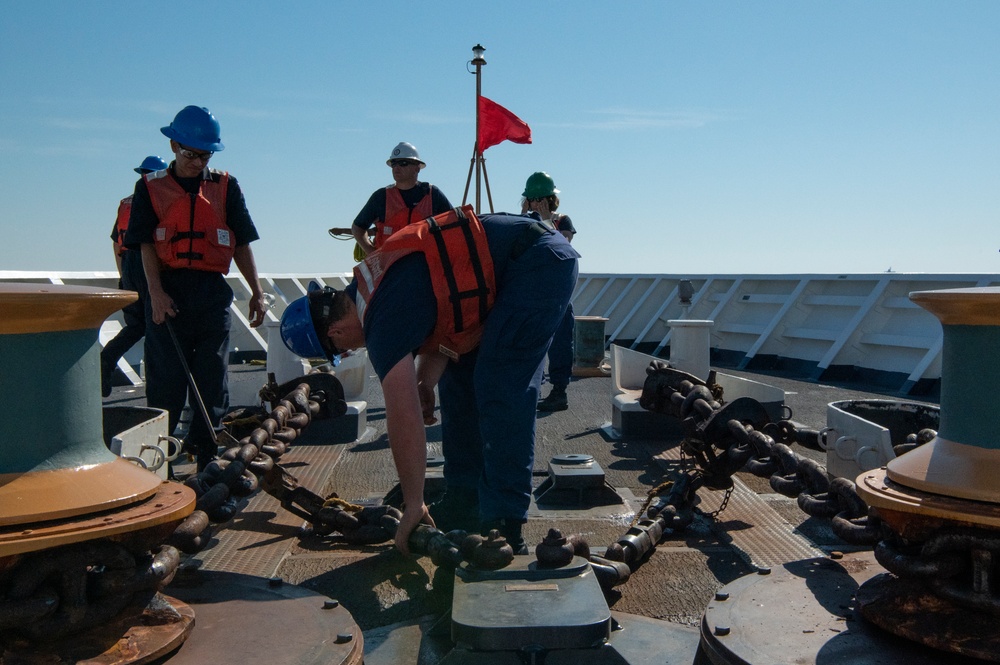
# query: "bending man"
(473, 303)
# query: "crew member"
(191, 222)
(130, 278)
(472, 302)
(541, 196)
(391, 208)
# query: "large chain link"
(51, 594)
(221, 486)
(725, 438)
(957, 563)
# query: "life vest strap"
(455, 296)
(187, 235)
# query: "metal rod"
(191, 382)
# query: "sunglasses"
(536, 200)
(402, 162)
(192, 154)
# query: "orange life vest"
(121, 223)
(461, 269)
(398, 215)
(192, 232)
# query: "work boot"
(556, 401)
(510, 529)
(457, 509)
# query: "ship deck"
(393, 598)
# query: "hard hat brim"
(526, 194)
(187, 141)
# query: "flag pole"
(478, 60)
(468, 178)
(486, 181)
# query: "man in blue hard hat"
(468, 305)
(130, 278)
(190, 223)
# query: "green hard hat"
(539, 186)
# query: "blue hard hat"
(195, 127)
(298, 325)
(150, 164)
(298, 332)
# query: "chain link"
(54, 593)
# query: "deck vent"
(576, 480)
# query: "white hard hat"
(405, 151)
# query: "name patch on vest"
(161, 234)
(447, 352)
(223, 237)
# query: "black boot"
(510, 529)
(556, 401)
(457, 509)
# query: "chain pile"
(237, 472)
(52, 594)
(957, 563)
(724, 438)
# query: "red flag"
(497, 124)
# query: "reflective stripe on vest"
(192, 231)
(398, 215)
(461, 269)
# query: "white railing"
(824, 327)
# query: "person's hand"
(411, 518)
(255, 310)
(162, 306)
(427, 403)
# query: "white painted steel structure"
(851, 326)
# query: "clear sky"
(685, 137)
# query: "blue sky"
(685, 137)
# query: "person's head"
(320, 324)
(405, 162)
(194, 137)
(150, 164)
(540, 194)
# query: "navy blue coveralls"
(561, 351)
(489, 396)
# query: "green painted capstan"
(53, 461)
(961, 461)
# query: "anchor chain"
(957, 563)
(371, 525)
(54, 593)
(720, 440)
(724, 438)
(236, 474)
